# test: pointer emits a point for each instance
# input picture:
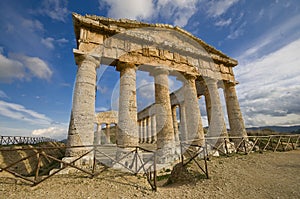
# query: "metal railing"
(11, 140)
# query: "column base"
(168, 154)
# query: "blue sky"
(37, 68)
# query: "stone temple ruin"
(162, 51)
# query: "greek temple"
(161, 50)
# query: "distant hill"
(280, 129)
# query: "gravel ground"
(267, 175)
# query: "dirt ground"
(267, 175)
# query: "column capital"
(159, 71)
(125, 65)
(80, 58)
(229, 83)
(210, 81)
(186, 77)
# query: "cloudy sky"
(37, 69)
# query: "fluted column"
(149, 137)
(235, 118)
(183, 125)
(153, 129)
(81, 127)
(144, 131)
(175, 123)
(140, 131)
(164, 123)
(98, 135)
(217, 126)
(207, 105)
(107, 134)
(127, 134)
(195, 133)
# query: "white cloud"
(10, 69)
(101, 109)
(62, 41)
(223, 22)
(132, 9)
(269, 92)
(17, 66)
(55, 9)
(57, 132)
(33, 25)
(275, 37)
(36, 66)
(218, 7)
(3, 94)
(48, 42)
(19, 112)
(102, 89)
(238, 31)
(177, 12)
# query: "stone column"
(144, 131)
(235, 118)
(127, 131)
(153, 129)
(217, 125)
(81, 127)
(175, 123)
(208, 105)
(140, 131)
(98, 135)
(195, 133)
(107, 134)
(164, 123)
(183, 127)
(149, 137)
(116, 133)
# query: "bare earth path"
(267, 175)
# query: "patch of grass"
(163, 177)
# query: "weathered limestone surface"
(81, 128)
(207, 105)
(235, 118)
(164, 123)
(98, 135)
(107, 134)
(140, 130)
(175, 123)
(153, 129)
(195, 132)
(162, 50)
(144, 131)
(217, 126)
(148, 138)
(190, 53)
(108, 117)
(183, 124)
(128, 130)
